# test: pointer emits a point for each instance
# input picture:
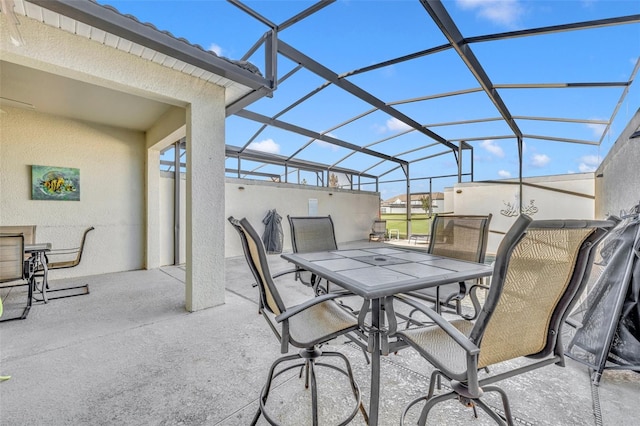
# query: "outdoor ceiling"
(48, 93)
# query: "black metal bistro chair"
(540, 269)
(306, 326)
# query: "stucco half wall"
(352, 212)
(570, 196)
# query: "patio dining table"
(377, 274)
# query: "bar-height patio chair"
(378, 230)
(316, 233)
(461, 237)
(14, 267)
(310, 234)
(305, 326)
(540, 269)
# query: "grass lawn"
(420, 223)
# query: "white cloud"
(379, 129)
(597, 129)
(215, 49)
(593, 160)
(395, 124)
(584, 168)
(503, 12)
(493, 148)
(267, 145)
(504, 173)
(327, 145)
(589, 163)
(391, 125)
(540, 160)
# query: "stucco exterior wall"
(618, 177)
(166, 210)
(201, 107)
(548, 197)
(112, 167)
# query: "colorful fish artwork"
(55, 183)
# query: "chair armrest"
(474, 300)
(306, 305)
(289, 271)
(441, 322)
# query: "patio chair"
(378, 230)
(540, 269)
(14, 267)
(461, 237)
(69, 257)
(3, 378)
(310, 234)
(306, 326)
(65, 258)
(27, 231)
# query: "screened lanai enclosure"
(410, 94)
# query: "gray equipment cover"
(608, 320)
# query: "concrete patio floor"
(129, 354)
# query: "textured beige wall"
(132, 196)
(352, 212)
(111, 163)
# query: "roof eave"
(107, 19)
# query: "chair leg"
(505, 402)
(314, 391)
(431, 402)
(354, 386)
(307, 360)
(256, 417)
(408, 407)
(433, 381)
(267, 387)
(430, 399)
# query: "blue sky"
(351, 34)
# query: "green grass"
(420, 223)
